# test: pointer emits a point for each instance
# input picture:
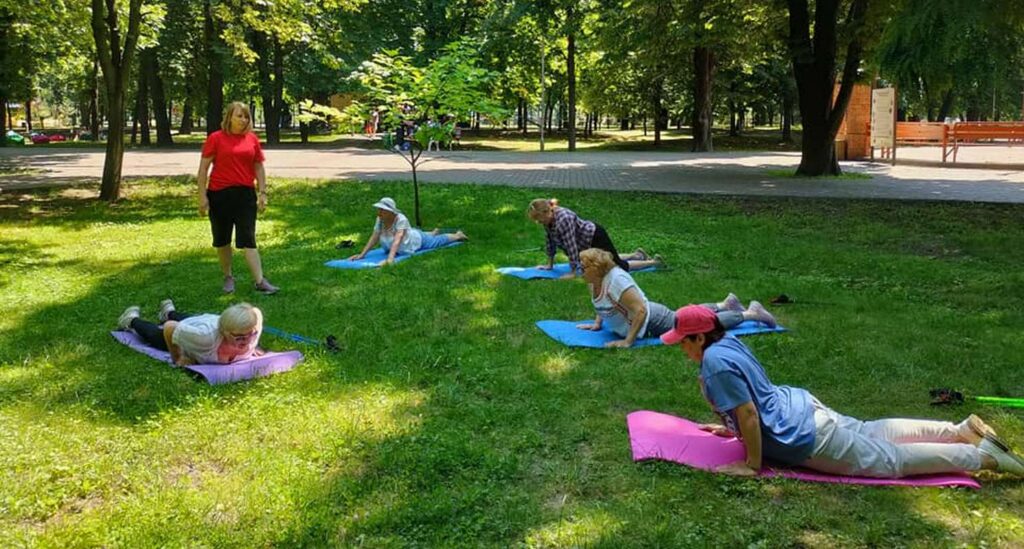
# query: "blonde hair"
(241, 317)
(230, 111)
(541, 206)
(601, 259)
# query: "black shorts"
(602, 241)
(233, 208)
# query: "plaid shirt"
(569, 232)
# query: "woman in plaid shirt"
(568, 231)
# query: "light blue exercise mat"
(373, 258)
(559, 270)
(566, 332)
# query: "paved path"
(748, 173)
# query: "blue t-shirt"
(731, 377)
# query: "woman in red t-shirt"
(231, 197)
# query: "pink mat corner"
(654, 435)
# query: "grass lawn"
(448, 419)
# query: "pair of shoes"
(732, 303)
(974, 430)
(265, 287)
(124, 322)
(761, 314)
(641, 254)
(1006, 461)
(659, 261)
(166, 308)
(229, 284)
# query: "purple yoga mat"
(660, 436)
(217, 374)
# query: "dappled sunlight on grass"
(582, 528)
(557, 364)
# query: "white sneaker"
(1006, 462)
(761, 314)
(732, 303)
(166, 308)
(124, 322)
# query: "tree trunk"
(186, 117)
(142, 103)
(214, 71)
(3, 120)
(28, 114)
(94, 101)
(703, 118)
(656, 107)
(151, 64)
(733, 131)
(116, 62)
(947, 105)
(570, 68)
(279, 106)
(787, 117)
(814, 68)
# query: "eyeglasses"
(242, 338)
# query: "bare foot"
(459, 235)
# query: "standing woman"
(568, 231)
(231, 197)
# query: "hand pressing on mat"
(388, 261)
(737, 469)
(717, 430)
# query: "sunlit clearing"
(506, 209)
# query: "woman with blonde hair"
(199, 339)
(566, 230)
(237, 189)
(623, 308)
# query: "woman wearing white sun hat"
(396, 235)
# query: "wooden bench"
(974, 132)
(920, 133)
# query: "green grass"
(448, 419)
(790, 174)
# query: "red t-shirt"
(234, 159)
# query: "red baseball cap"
(690, 320)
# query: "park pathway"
(730, 173)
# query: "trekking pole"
(330, 342)
(949, 396)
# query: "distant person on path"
(789, 426)
(623, 309)
(232, 199)
(396, 235)
(199, 339)
(566, 230)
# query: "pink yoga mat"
(660, 436)
(217, 374)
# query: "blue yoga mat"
(559, 270)
(566, 332)
(373, 258)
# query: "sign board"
(883, 118)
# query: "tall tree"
(814, 66)
(115, 55)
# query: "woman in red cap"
(788, 425)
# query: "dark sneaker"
(229, 284)
(124, 322)
(265, 287)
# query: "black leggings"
(602, 241)
(153, 334)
